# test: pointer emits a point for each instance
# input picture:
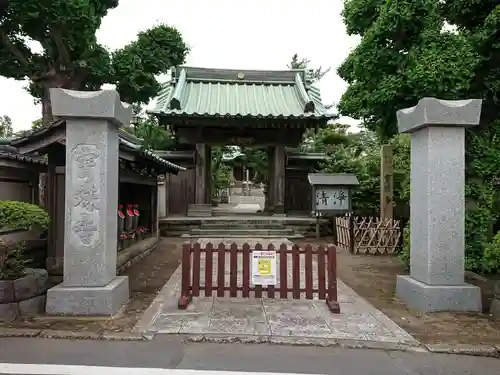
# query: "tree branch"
(61, 48)
(5, 40)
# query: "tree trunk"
(46, 107)
(61, 80)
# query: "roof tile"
(225, 93)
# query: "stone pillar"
(270, 180)
(162, 198)
(279, 180)
(90, 285)
(437, 205)
(200, 173)
(386, 183)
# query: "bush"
(18, 215)
(404, 253)
(491, 256)
(12, 262)
(22, 215)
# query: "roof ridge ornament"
(175, 101)
(309, 106)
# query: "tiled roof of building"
(127, 141)
(201, 92)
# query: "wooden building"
(206, 107)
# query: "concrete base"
(88, 301)
(433, 298)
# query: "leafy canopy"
(448, 49)
(71, 56)
(6, 127)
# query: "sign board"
(331, 193)
(264, 268)
(332, 198)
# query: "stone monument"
(437, 256)
(90, 285)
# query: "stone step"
(216, 225)
(198, 213)
(290, 237)
(243, 232)
(200, 206)
(219, 213)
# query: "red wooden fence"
(191, 285)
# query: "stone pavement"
(272, 320)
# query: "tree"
(71, 57)
(37, 124)
(146, 127)
(406, 53)
(6, 127)
(303, 63)
(325, 139)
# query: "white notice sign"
(264, 268)
(332, 199)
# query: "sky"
(231, 34)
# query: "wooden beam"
(386, 183)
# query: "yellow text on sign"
(264, 266)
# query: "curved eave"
(22, 158)
(304, 116)
(308, 104)
(150, 155)
(175, 100)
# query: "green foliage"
(256, 159)
(303, 63)
(12, 262)
(72, 58)
(222, 178)
(146, 127)
(22, 215)
(222, 175)
(491, 258)
(361, 156)
(325, 139)
(404, 253)
(37, 124)
(406, 53)
(6, 130)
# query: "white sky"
(257, 34)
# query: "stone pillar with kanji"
(90, 284)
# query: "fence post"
(332, 298)
(335, 235)
(186, 296)
(352, 240)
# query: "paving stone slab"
(277, 320)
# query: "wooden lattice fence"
(368, 235)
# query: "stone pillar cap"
(104, 104)
(437, 112)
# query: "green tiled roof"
(201, 92)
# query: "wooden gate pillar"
(279, 179)
(201, 174)
(270, 180)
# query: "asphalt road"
(173, 353)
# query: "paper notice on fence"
(264, 268)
